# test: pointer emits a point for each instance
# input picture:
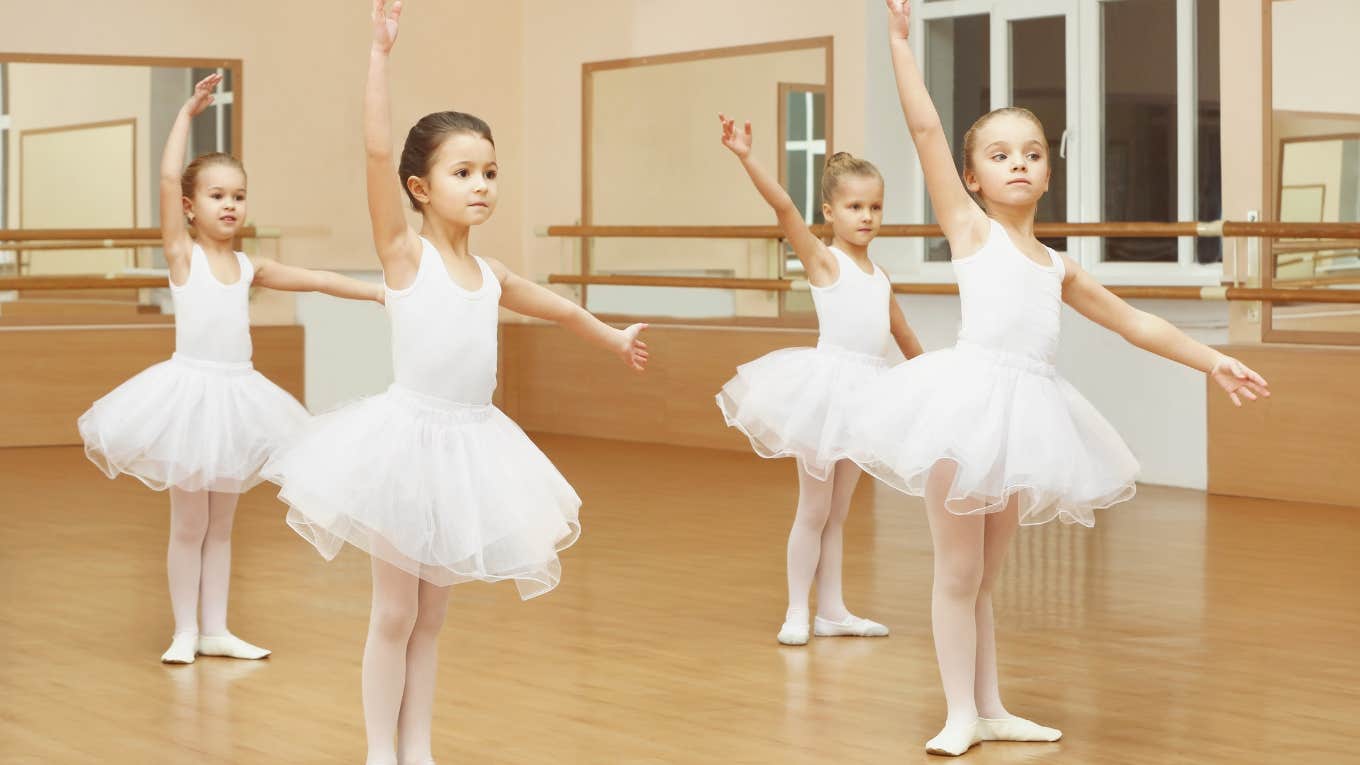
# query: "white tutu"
(445, 491)
(797, 402)
(1012, 425)
(190, 424)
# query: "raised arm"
(524, 297)
(1157, 335)
(277, 276)
(174, 233)
(816, 259)
(965, 224)
(397, 245)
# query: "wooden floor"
(1184, 628)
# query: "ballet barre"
(12, 236)
(1124, 230)
(1151, 292)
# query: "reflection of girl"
(794, 402)
(203, 423)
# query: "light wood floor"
(1184, 628)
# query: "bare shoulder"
(498, 269)
(1071, 268)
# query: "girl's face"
(218, 207)
(461, 185)
(856, 209)
(1010, 164)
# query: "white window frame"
(1085, 129)
(221, 99)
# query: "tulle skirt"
(191, 424)
(448, 492)
(797, 402)
(996, 426)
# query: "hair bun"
(839, 157)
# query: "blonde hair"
(843, 164)
(970, 138)
(189, 181)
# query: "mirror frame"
(588, 70)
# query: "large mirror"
(1316, 154)
(652, 156)
(80, 145)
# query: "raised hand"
(739, 142)
(385, 23)
(203, 95)
(632, 350)
(1236, 378)
(899, 18)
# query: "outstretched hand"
(203, 94)
(1238, 380)
(739, 142)
(632, 350)
(385, 23)
(899, 18)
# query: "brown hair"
(425, 138)
(970, 138)
(840, 165)
(189, 181)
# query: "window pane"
(1039, 83)
(203, 133)
(796, 124)
(819, 115)
(1140, 124)
(1210, 169)
(227, 145)
(797, 176)
(818, 165)
(960, 86)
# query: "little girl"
(431, 479)
(987, 431)
(203, 423)
(794, 402)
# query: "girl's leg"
(396, 597)
(1000, 531)
(958, 542)
(996, 723)
(804, 552)
(417, 702)
(216, 639)
(183, 564)
(830, 599)
(833, 618)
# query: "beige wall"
(1314, 65)
(305, 62)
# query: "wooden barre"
(1141, 230)
(102, 244)
(1146, 292)
(10, 236)
(82, 282)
